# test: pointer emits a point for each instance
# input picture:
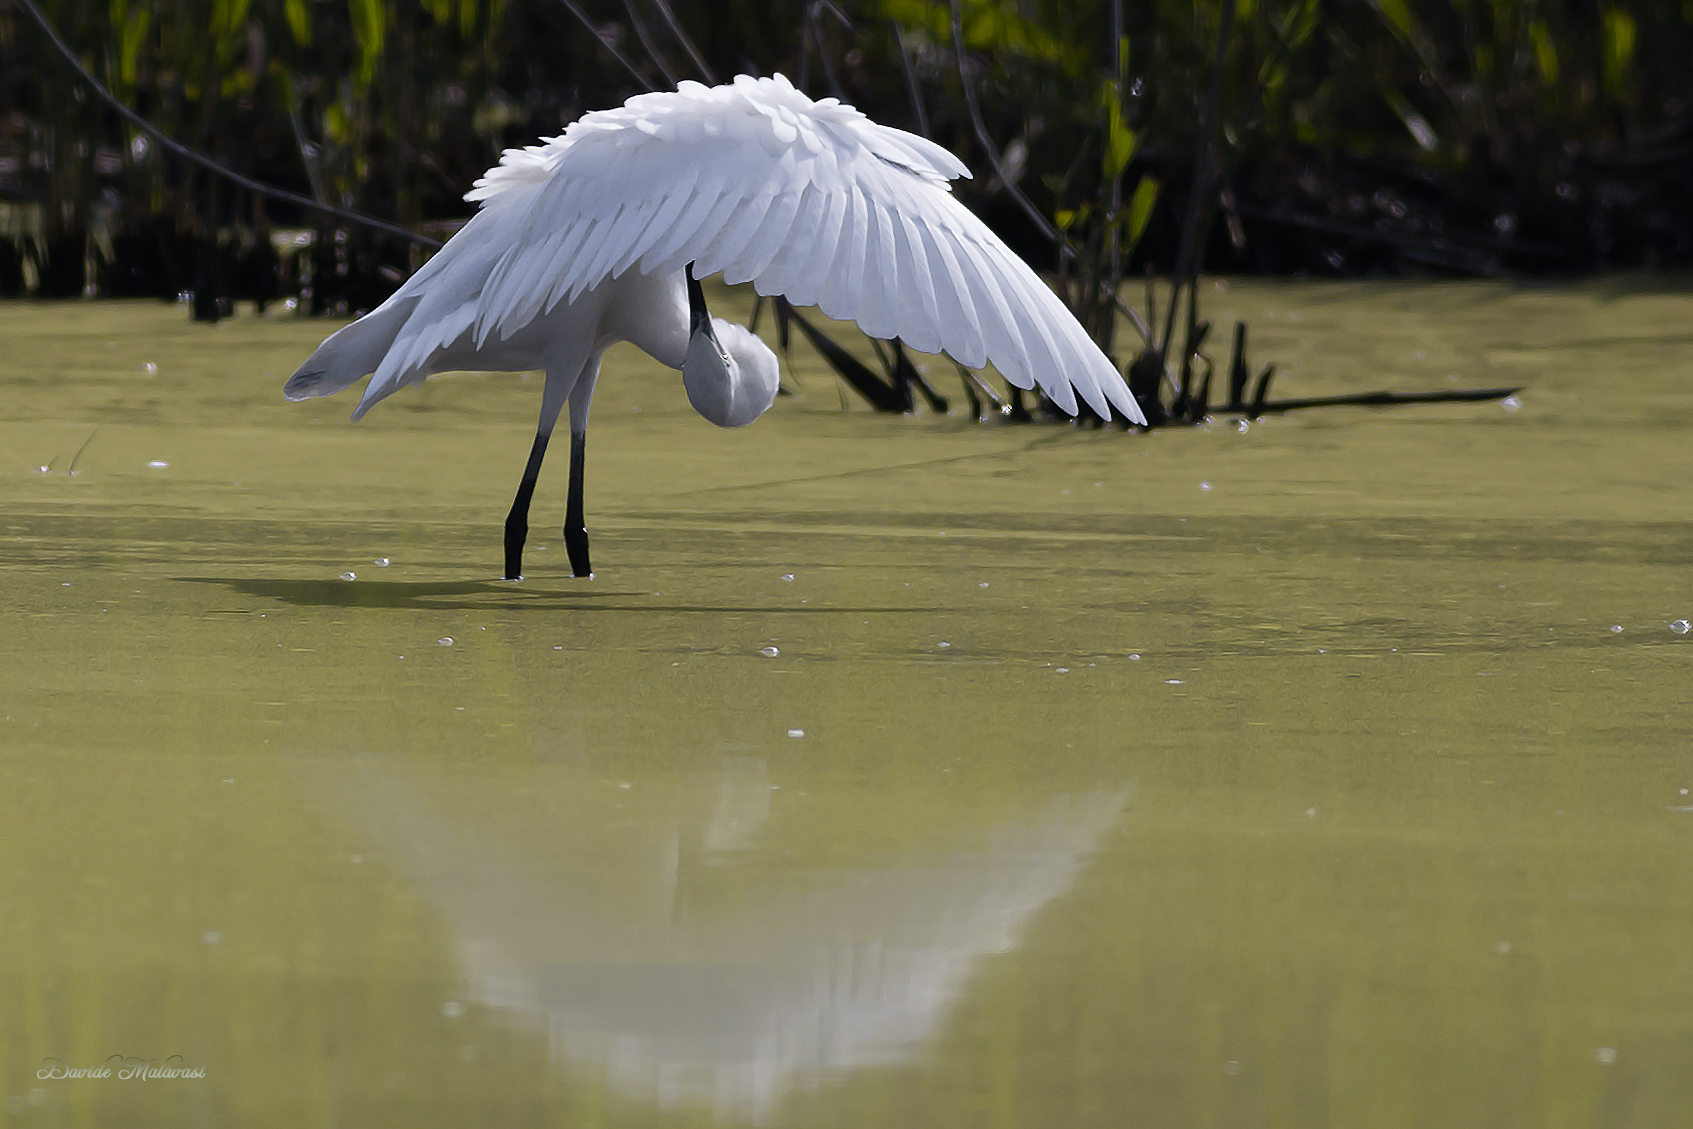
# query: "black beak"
(699, 318)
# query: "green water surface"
(1330, 771)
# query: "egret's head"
(731, 376)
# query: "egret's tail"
(350, 353)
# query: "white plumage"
(583, 240)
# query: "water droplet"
(796, 733)
(769, 652)
(381, 562)
(1681, 627)
(445, 640)
(349, 576)
(158, 464)
(1510, 403)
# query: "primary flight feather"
(598, 236)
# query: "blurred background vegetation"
(1346, 137)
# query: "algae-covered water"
(1332, 771)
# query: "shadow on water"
(424, 595)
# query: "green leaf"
(299, 20)
(132, 34)
(1120, 141)
(1140, 209)
(1619, 32)
(1398, 17)
(337, 124)
(1545, 51)
(368, 27)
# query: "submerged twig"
(1383, 399)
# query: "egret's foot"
(576, 544)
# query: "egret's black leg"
(517, 522)
(575, 532)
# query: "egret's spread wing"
(810, 200)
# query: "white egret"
(598, 236)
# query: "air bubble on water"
(1502, 948)
(1605, 1056)
(1175, 682)
(983, 584)
(1205, 485)
(1134, 658)
(943, 644)
(445, 640)
(1616, 629)
(148, 368)
(1510, 403)
(211, 937)
(349, 576)
(158, 464)
(796, 733)
(1311, 813)
(1063, 670)
(1681, 626)
(1242, 426)
(452, 1009)
(787, 576)
(769, 652)
(381, 562)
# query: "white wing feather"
(810, 200)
